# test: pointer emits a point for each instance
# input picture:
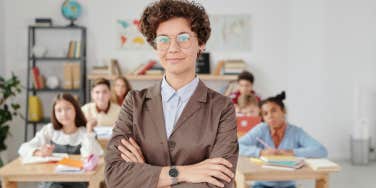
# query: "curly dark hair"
(163, 10)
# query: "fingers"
(215, 182)
(219, 175)
(128, 154)
(134, 143)
(223, 170)
(221, 161)
(132, 149)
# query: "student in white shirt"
(68, 132)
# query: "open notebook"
(53, 158)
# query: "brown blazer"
(205, 129)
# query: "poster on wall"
(230, 33)
(129, 36)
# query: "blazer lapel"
(155, 108)
(194, 104)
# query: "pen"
(263, 142)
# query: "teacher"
(179, 132)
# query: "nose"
(174, 46)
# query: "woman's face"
(120, 88)
(177, 46)
(273, 115)
(64, 112)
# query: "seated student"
(120, 89)
(282, 137)
(245, 86)
(65, 134)
(101, 111)
(247, 106)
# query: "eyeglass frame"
(192, 35)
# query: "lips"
(174, 60)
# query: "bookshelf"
(32, 62)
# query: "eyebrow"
(183, 32)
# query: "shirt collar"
(278, 132)
(104, 111)
(184, 93)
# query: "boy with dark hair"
(245, 87)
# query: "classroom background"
(321, 52)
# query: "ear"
(202, 48)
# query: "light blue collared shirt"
(295, 139)
(175, 101)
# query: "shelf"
(54, 90)
(55, 59)
(159, 77)
(58, 27)
(43, 121)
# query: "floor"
(349, 177)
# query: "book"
(277, 167)
(36, 77)
(68, 169)
(71, 162)
(103, 132)
(322, 164)
(283, 161)
(76, 75)
(148, 66)
(35, 159)
(68, 76)
(218, 68)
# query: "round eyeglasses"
(184, 41)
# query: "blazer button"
(171, 145)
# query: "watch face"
(173, 172)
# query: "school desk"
(250, 171)
(15, 171)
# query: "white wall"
(313, 49)
(2, 59)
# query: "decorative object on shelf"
(9, 89)
(35, 109)
(52, 82)
(71, 10)
(39, 51)
(43, 22)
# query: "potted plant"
(9, 108)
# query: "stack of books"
(282, 162)
(68, 165)
(150, 68)
(74, 49)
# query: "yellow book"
(35, 109)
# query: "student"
(247, 106)
(65, 134)
(120, 89)
(101, 111)
(282, 137)
(245, 87)
(177, 132)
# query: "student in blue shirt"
(282, 138)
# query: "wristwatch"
(173, 173)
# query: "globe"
(71, 10)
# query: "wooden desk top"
(257, 172)
(16, 171)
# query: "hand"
(44, 151)
(130, 151)
(269, 151)
(209, 170)
(90, 125)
